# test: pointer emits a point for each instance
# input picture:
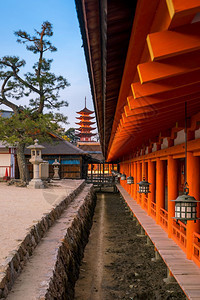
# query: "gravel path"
(20, 208)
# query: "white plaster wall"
(197, 134)
(154, 147)
(164, 144)
(5, 160)
(180, 137)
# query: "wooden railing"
(179, 234)
(153, 210)
(196, 248)
(164, 219)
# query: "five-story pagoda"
(85, 123)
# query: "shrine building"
(143, 60)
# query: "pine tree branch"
(4, 100)
(30, 86)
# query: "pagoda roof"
(85, 122)
(88, 128)
(85, 117)
(85, 111)
(85, 134)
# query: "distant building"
(7, 160)
(73, 161)
(7, 153)
(93, 149)
(85, 123)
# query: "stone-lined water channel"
(117, 262)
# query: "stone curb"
(16, 259)
(60, 280)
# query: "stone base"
(56, 178)
(170, 278)
(157, 257)
(35, 184)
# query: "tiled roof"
(60, 147)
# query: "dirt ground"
(117, 262)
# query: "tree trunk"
(23, 170)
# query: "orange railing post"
(172, 190)
(151, 179)
(138, 180)
(160, 188)
(193, 182)
(135, 181)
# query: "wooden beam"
(134, 104)
(170, 43)
(173, 66)
(167, 84)
(181, 11)
(158, 106)
(172, 94)
(166, 110)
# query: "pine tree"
(41, 89)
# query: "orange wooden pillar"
(160, 188)
(132, 174)
(151, 179)
(172, 190)
(193, 182)
(138, 180)
(135, 181)
(143, 175)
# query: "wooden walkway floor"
(184, 271)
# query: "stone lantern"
(56, 165)
(36, 159)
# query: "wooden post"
(193, 182)
(151, 179)
(91, 173)
(103, 172)
(138, 180)
(160, 188)
(135, 182)
(132, 185)
(172, 190)
(143, 176)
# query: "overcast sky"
(69, 60)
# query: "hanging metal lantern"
(130, 180)
(116, 179)
(123, 176)
(144, 187)
(185, 207)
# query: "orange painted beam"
(139, 137)
(157, 107)
(180, 91)
(167, 84)
(158, 119)
(157, 70)
(155, 112)
(134, 104)
(170, 43)
(182, 10)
